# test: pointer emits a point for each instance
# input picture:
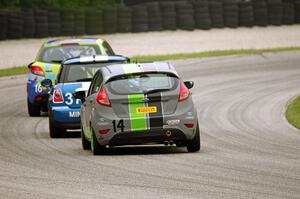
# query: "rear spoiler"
(96, 59)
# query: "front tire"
(194, 144)
(86, 145)
(33, 110)
(97, 149)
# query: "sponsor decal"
(73, 114)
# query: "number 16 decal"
(120, 125)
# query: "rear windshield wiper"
(157, 90)
(84, 80)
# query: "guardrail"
(150, 16)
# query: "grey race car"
(132, 104)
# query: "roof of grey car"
(122, 69)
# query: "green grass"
(13, 71)
(218, 53)
(293, 113)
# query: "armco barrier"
(147, 15)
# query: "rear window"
(62, 53)
(142, 83)
(79, 73)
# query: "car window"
(79, 72)
(97, 83)
(62, 53)
(142, 83)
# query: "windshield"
(142, 83)
(79, 73)
(62, 53)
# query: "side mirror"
(189, 84)
(80, 95)
(47, 83)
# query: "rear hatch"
(144, 97)
(68, 89)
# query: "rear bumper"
(65, 117)
(158, 136)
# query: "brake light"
(57, 96)
(184, 92)
(189, 126)
(104, 132)
(37, 70)
(102, 97)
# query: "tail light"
(37, 70)
(102, 97)
(184, 92)
(57, 96)
(189, 126)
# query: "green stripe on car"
(138, 121)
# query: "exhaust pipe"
(171, 142)
(166, 143)
(168, 133)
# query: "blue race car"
(75, 75)
(47, 66)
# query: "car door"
(89, 103)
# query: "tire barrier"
(41, 23)
(297, 11)
(202, 15)
(260, 12)
(29, 23)
(110, 19)
(288, 11)
(124, 19)
(54, 22)
(216, 14)
(155, 18)
(15, 25)
(93, 21)
(246, 17)
(3, 24)
(274, 12)
(67, 22)
(140, 18)
(231, 13)
(185, 15)
(147, 15)
(79, 23)
(168, 13)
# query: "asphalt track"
(248, 148)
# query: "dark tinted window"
(62, 53)
(79, 73)
(142, 83)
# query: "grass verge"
(293, 113)
(13, 71)
(218, 53)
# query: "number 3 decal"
(69, 99)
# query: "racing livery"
(48, 62)
(130, 104)
(75, 75)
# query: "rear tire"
(54, 131)
(33, 110)
(97, 149)
(194, 144)
(86, 145)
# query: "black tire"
(86, 145)
(33, 110)
(97, 149)
(194, 144)
(53, 130)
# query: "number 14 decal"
(120, 125)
